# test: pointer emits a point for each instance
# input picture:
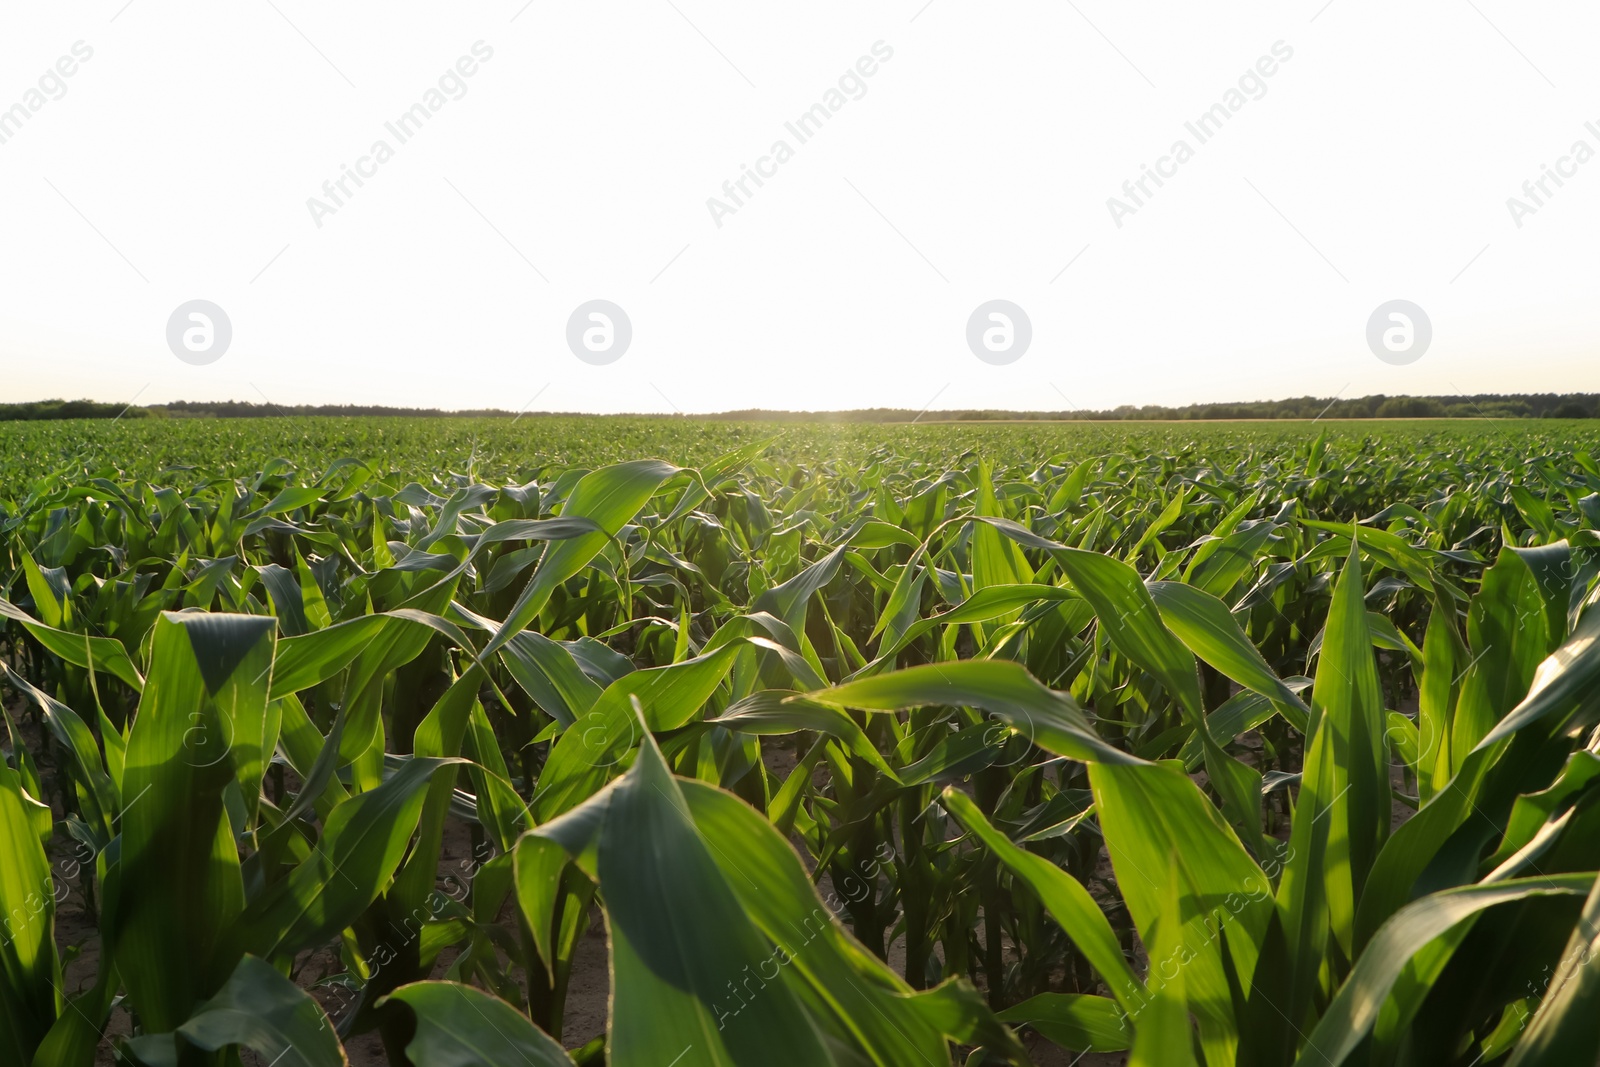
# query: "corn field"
(338, 740)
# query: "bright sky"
(1360, 152)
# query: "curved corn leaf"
(1079, 1022)
(1566, 1028)
(102, 653)
(608, 498)
(360, 848)
(1208, 628)
(871, 1006)
(1063, 896)
(459, 1026)
(29, 969)
(1355, 1008)
(1049, 719)
(259, 1009)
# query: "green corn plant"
(1197, 743)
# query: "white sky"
(1383, 151)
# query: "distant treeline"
(65, 409)
(1483, 405)
(223, 409)
(244, 409)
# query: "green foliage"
(1479, 406)
(867, 745)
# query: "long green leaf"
(1355, 1008)
(459, 1026)
(183, 890)
(1047, 718)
